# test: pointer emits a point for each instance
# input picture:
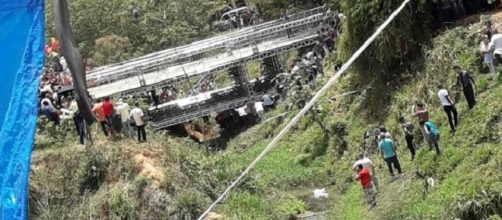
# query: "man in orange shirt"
(100, 114)
(364, 178)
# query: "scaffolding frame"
(204, 49)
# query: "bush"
(122, 206)
(93, 171)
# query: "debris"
(320, 193)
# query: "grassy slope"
(471, 159)
(173, 178)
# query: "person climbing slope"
(364, 177)
(388, 150)
(433, 132)
(367, 163)
(449, 107)
(408, 135)
(465, 80)
(423, 115)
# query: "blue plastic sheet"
(21, 62)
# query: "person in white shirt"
(258, 107)
(367, 163)
(48, 99)
(123, 111)
(496, 46)
(139, 121)
(449, 107)
(63, 63)
(487, 54)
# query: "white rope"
(307, 107)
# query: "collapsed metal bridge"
(200, 60)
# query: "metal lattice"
(207, 48)
(162, 78)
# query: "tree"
(150, 25)
(111, 49)
(384, 61)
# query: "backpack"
(433, 128)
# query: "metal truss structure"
(204, 44)
(146, 82)
(228, 52)
(208, 48)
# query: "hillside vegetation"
(173, 178)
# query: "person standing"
(487, 53)
(98, 111)
(123, 109)
(108, 111)
(364, 176)
(78, 119)
(449, 107)
(367, 163)
(465, 80)
(139, 121)
(433, 132)
(408, 135)
(388, 151)
(496, 46)
(258, 106)
(423, 115)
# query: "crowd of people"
(114, 117)
(386, 144)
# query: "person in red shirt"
(108, 111)
(364, 177)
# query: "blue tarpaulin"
(21, 62)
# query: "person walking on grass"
(433, 132)
(465, 80)
(487, 53)
(367, 163)
(364, 177)
(449, 107)
(423, 115)
(139, 121)
(408, 135)
(388, 151)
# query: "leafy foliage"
(149, 25)
(111, 49)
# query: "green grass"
(470, 160)
(64, 181)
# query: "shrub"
(93, 171)
(122, 205)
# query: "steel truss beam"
(219, 107)
(202, 51)
(311, 40)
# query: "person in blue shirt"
(432, 130)
(388, 150)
